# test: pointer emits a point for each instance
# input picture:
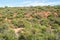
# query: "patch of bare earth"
(28, 16)
(44, 14)
(17, 30)
(15, 14)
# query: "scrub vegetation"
(30, 23)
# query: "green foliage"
(34, 26)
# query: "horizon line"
(29, 6)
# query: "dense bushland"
(30, 23)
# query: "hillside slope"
(30, 23)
